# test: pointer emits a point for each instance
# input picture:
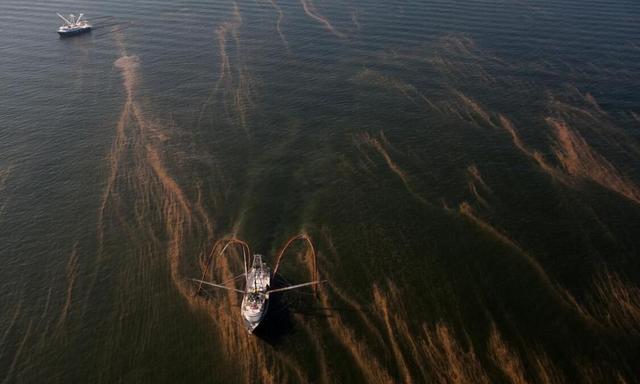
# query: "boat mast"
(64, 18)
(255, 277)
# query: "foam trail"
(311, 11)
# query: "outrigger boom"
(296, 286)
(269, 291)
(255, 300)
(217, 285)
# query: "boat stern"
(254, 308)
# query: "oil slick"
(579, 160)
(71, 271)
(312, 12)
(233, 89)
(279, 23)
(381, 146)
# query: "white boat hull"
(73, 31)
(256, 299)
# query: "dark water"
(469, 172)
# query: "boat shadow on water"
(278, 322)
(287, 310)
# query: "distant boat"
(73, 25)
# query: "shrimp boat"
(255, 299)
(73, 25)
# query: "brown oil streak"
(579, 160)
(474, 108)
(279, 23)
(474, 172)
(313, 334)
(466, 210)
(476, 194)
(155, 186)
(18, 353)
(505, 359)
(536, 156)
(369, 366)
(382, 304)
(546, 370)
(71, 272)
(393, 166)
(12, 323)
(4, 175)
(449, 362)
(364, 316)
(612, 302)
(311, 11)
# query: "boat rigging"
(255, 300)
(73, 25)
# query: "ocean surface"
(468, 172)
